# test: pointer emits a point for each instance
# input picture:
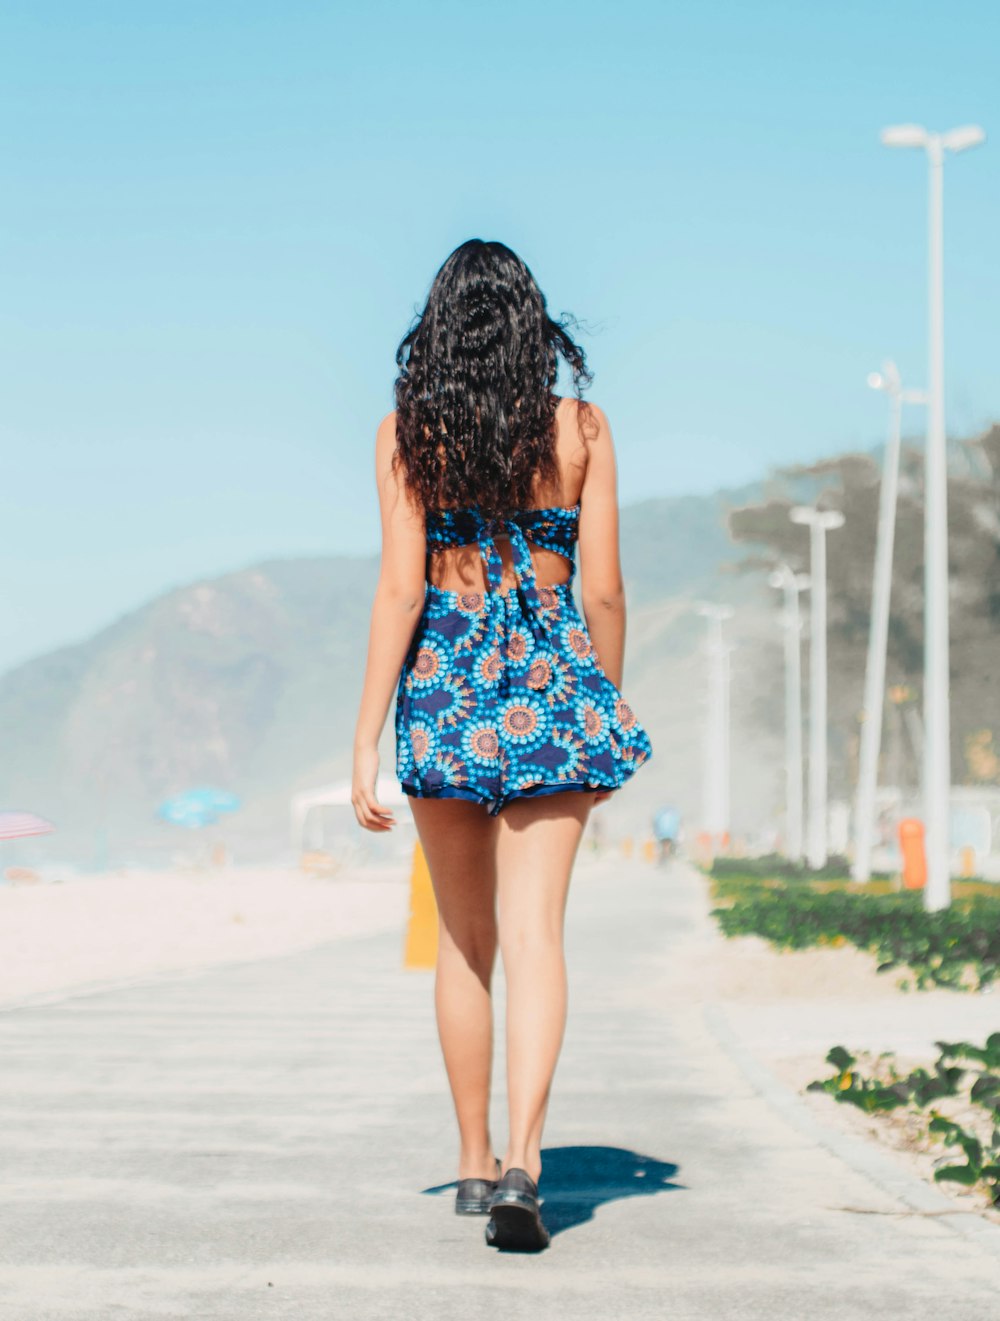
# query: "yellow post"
(649, 850)
(968, 860)
(626, 846)
(422, 927)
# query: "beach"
(94, 931)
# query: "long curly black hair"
(475, 401)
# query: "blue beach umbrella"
(197, 807)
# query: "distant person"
(510, 723)
(666, 827)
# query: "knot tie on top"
(554, 528)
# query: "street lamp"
(878, 634)
(715, 777)
(937, 731)
(792, 584)
(819, 522)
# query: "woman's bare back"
(460, 568)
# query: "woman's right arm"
(602, 589)
(399, 600)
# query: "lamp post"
(715, 779)
(792, 584)
(878, 633)
(937, 730)
(819, 522)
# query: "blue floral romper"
(501, 694)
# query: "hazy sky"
(217, 220)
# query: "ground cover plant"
(957, 948)
(956, 1102)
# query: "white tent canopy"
(387, 791)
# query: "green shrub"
(770, 865)
(957, 947)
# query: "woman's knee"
(473, 941)
(539, 937)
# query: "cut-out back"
(555, 528)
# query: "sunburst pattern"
(502, 694)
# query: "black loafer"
(515, 1221)
(473, 1196)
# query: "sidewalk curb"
(876, 1166)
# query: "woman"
(509, 721)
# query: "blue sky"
(219, 218)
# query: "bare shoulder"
(385, 439)
(582, 416)
(569, 408)
(387, 427)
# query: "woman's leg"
(536, 848)
(459, 843)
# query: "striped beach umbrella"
(15, 825)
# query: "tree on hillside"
(851, 483)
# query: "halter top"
(555, 528)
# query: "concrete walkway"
(266, 1140)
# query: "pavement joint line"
(874, 1165)
(81, 990)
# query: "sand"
(95, 931)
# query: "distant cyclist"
(666, 827)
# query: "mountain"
(250, 682)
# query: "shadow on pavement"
(577, 1180)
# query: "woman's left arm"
(399, 600)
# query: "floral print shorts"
(502, 696)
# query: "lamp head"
(713, 609)
(904, 135)
(960, 139)
(887, 379)
(826, 519)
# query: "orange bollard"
(911, 846)
(422, 927)
(968, 860)
(627, 846)
(649, 850)
(704, 852)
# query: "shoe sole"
(516, 1227)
